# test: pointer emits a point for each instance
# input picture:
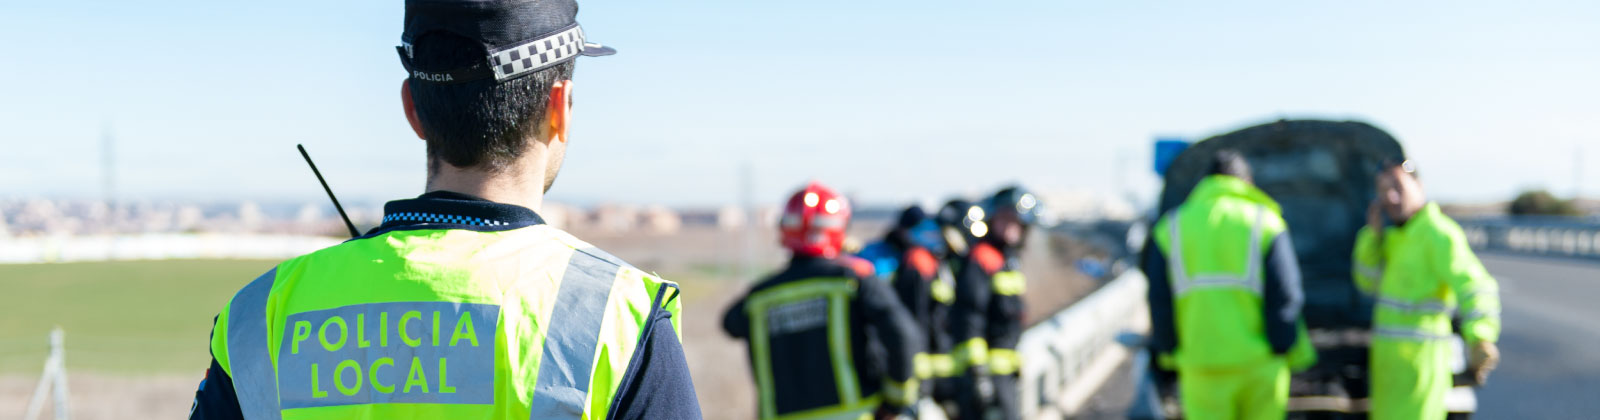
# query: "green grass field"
(138, 317)
(125, 317)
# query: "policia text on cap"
(462, 303)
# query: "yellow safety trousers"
(1251, 391)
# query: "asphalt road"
(1550, 346)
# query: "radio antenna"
(352, 226)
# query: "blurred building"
(660, 220)
(1083, 205)
(731, 218)
(614, 218)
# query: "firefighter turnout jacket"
(986, 319)
(826, 341)
(913, 272)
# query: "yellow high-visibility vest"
(1214, 243)
(440, 323)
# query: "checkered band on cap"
(538, 54)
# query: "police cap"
(520, 36)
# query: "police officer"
(907, 258)
(1225, 298)
(826, 339)
(986, 320)
(462, 303)
(1421, 271)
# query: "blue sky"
(889, 100)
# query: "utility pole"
(1577, 173)
(747, 192)
(108, 170)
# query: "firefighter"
(986, 319)
(908, 259)
(826, 339)
(1225, 298)
(463, 303)
(1420, 271)
(957, 221)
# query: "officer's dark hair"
(1230, 162)
(478, 123)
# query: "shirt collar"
(452, 209)
(1423, 216)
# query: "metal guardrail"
(1542, 236)
(1068, 357)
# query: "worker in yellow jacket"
(1225, 298)
(1421, 272)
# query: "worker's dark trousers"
(945, 390)
(1005, 401)
(1007, 397)
(970, 405)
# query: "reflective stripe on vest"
(1408, 333)
(973, 352)
(943, 365)
(943, 288)
(1374, 272)
(901, 393)
(922, 365)
(1182, 282)
(835, 293)
(1004, 361)
(1423, 307)
(1480, 313)
(1009, 283)
(255, 381)
(562, 388)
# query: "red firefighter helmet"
(814, 221)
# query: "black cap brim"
(591, 49)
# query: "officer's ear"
(559, 110)
(410, 108)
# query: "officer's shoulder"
(583, 249)
(1274, 222)
(1445, 229)
(585, 252)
